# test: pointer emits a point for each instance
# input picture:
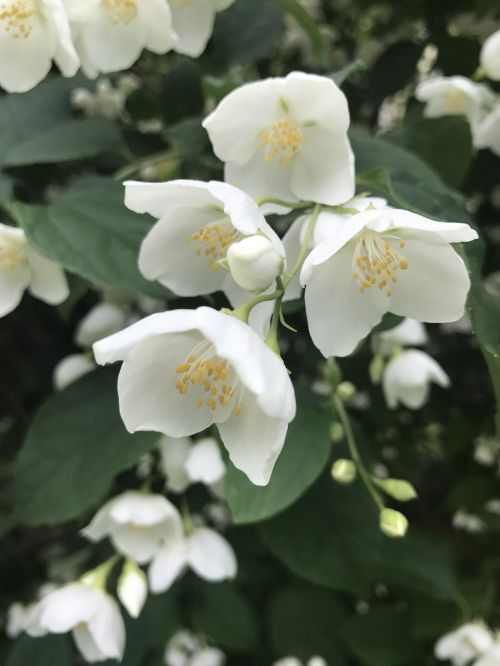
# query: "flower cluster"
(476, 102)
(472, 643)
(98, 35)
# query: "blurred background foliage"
(316, 575)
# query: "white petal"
(100, 525)
(417, 226)
(102, 320)
(204, 462)
(338, 315)
(65, 54)
(60, 611)
(156, 199)
(490, 56)
(193, 23)
(132, 589)
(12, 285)
(86, 644)
(292, 241)
(71, 368)
(210, 556)
(167, 566)
(157, 18)
(435, 286)
(408, 333)
(140, 544)
(407, 378)
(324, 170)
(254, 440)
(174, 452)
(133, 507)
(48, 282)
(108, 629)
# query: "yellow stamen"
(283, 142)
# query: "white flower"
(208, 656)
(408, 333)
(204, 551)
(21, 268)
(468, 522)
(109, 35)
(254, 263)
(464, 644)
(185, 370)
(33, 33)
(455, 95)
(288, 661)
(132, 588)
(316, 661)
(186, 649)
(193, 22)
(90, 613)
(136, 523)
(71, 368)
(487, 134)
(101, 320)
(17, 615)
(490, 658)
(386, 260)
(407, 378)
(287, 138)
(490, 56)
(197, 223)
(185, 462)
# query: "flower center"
(213, 240)
(12, 256)
(282, 142)
(181, 4)
(121, 12)
(455, 102)
(17, 15)
(376, 261)
(212, 377)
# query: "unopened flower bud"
(344, 471)
(132, 588)
(399, 489)
(393, 523)
(376, 368)
(336, 432)
(332, 372)
(254, 263)
(346, 391)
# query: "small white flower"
(385, 260)
(137, 524)
(109, 35)
(197, 223)
(21, 268)
(101, 320)
(490, 56)
(464, 644)
(407, 378)
(409, 333)
(317, 661)
(468, 522)
(287, 138)
(33, 33)
(204, 551)
(184, 370)
(193, 22)
(185, 462)
(90, 613)
(71, 368)
(455, 95)
(208, 656)
(254, 263)
(487, 133)
(288, 661)
(186, 649)
(493, 506)
(132, 588)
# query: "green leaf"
(23, 117)
(330, 536)
(6, 189)
(308, 24)
(444, 143)
(343, 74)
(182, 93)
(234, 41)
(303, 621)
(45, 651)
(304, 456)
(222, 614)
(73, 140)
(89, 231)
(75, 446)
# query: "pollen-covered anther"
(16, 18)
(11, 258)
(376, 261)
(282, 142)
(121, 12)
(213, 241)
(205, 371)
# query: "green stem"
(150, 160)
(272, 336)
(242, 312)
(285, 204)
(186, 517)
(97, 577)
(304, 249)
(355, 455)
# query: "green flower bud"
(332, 372)
(393, 523)
(377, 368)
(336, 432)
(346, 391)
(399, 489)
(344, 471)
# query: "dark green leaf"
(302, 460)
(75, 446)
(90, 232)
(46, 651)
(182, 94)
